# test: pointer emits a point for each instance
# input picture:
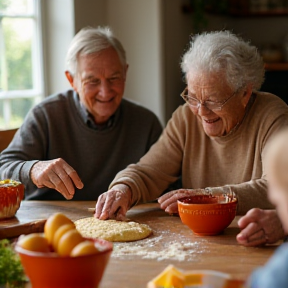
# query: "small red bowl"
(49, 270)
(207, 215)
(11, 195)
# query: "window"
(21, 81)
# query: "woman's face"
(213, 88)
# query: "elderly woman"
(215, 140)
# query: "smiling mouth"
(104, 102)
(211, 121)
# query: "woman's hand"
(259, 227)
(56, 174)
(168, 201)
(114, 203)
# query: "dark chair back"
(6, 137)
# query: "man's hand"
(114, 203)
(56, 174)
(168, 201)
(260, 227)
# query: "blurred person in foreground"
(274, 273)
(73, 143)
(215, 140)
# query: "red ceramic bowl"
(207, 215)
(11, 195)
(49, 270)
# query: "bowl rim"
(107, 245)
(208, 272)
(180, 201)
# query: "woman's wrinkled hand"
(260, 227)
(114, 203)
(56, 174)
(168, 201)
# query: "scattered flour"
(155, 248)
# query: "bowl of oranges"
(61, 257)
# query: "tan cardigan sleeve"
(253, 194)
(160, 167)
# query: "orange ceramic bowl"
(207, 215)
(11, 195)
(49, 270)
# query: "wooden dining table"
(134, 264)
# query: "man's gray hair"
(92, 40)
(222, 51)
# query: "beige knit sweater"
(234, 160)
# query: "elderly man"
(215, 140)
(73, 143)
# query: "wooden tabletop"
(133, 264)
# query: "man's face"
(100, 82)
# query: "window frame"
(37, 92)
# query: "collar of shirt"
(89, 119)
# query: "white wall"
(89, 13)
(58, 26)
(177, 28)
(137, 24)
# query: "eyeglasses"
(211, 105)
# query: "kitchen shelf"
(283, 66)
(240, 9)
(271, 13)
(245, 8)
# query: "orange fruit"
(68, 241)
(170, 277)
(60, 232)
(84, 248)
(34, 242)
(53, 223)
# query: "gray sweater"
(55, 128)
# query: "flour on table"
(155, 248)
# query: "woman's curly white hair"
(223, 51)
